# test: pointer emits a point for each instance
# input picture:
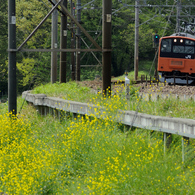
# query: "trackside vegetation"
(77, 92)
(87, 155)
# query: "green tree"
(34, 65)
(152, 19)
(122, 54)
(3, 47)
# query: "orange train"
(176, 58)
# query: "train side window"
(166, 45)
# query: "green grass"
(69, 91)
(163, 107)
(42, 155)
(144, 69)
(130, 76)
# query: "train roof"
(183, 34)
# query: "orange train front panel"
(176, 64)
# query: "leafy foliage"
(30, 12)
(89, 155)
(3, 47)
(25, 68)
(33, 68)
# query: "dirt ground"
(95, 84)
(169, 89)
(154, 88)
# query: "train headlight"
(181, 40)
(175, 40)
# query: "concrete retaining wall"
(183, 127)
(156, 96)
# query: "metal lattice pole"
(106, 45)
(12, 87)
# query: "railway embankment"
(152, 91)
(55, 106)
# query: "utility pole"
(178, 16)
(12, 87)
(156, 44)
(72, 41)
(106, 45)
(63, 45)
(156, 64)
(54, 45)
(136, 49)
(78, 41)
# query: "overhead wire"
(96, 31)
(44, 4)
(156, 53)
(138, 104)
(86, 4)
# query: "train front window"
(166, 45)
(177, 48)
(189, 42)
(189, 50)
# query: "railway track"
(149, 87)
